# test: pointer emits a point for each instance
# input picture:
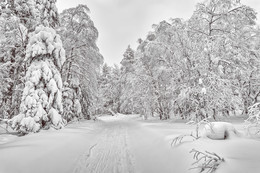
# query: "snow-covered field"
(122, 144)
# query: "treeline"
(205, 66)
(49, 64)
(51, 70)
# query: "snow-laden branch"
(206, 161)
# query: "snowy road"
(110, 145)
(110, 153)
(126, 146)
(120, 145)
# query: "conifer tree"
(41, 102)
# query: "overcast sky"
(122, 22)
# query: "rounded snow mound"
(219, 130)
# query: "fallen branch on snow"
(207, 161)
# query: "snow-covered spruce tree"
(126, 78)
(17, 19)
(41, 104)
(128, 59)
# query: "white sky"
(122, 22)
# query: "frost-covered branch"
(206, 161)
(179, 139)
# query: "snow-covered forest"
(186, 84)
(205, 66)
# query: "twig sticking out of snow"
(179, 139)
(206, 161)
(198, 122)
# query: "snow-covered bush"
(253, 119)
(220, 130)
(41, 104)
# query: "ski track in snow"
(111, 153)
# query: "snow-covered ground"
(122, 144)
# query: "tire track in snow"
(111, 154)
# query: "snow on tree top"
(45, 41)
